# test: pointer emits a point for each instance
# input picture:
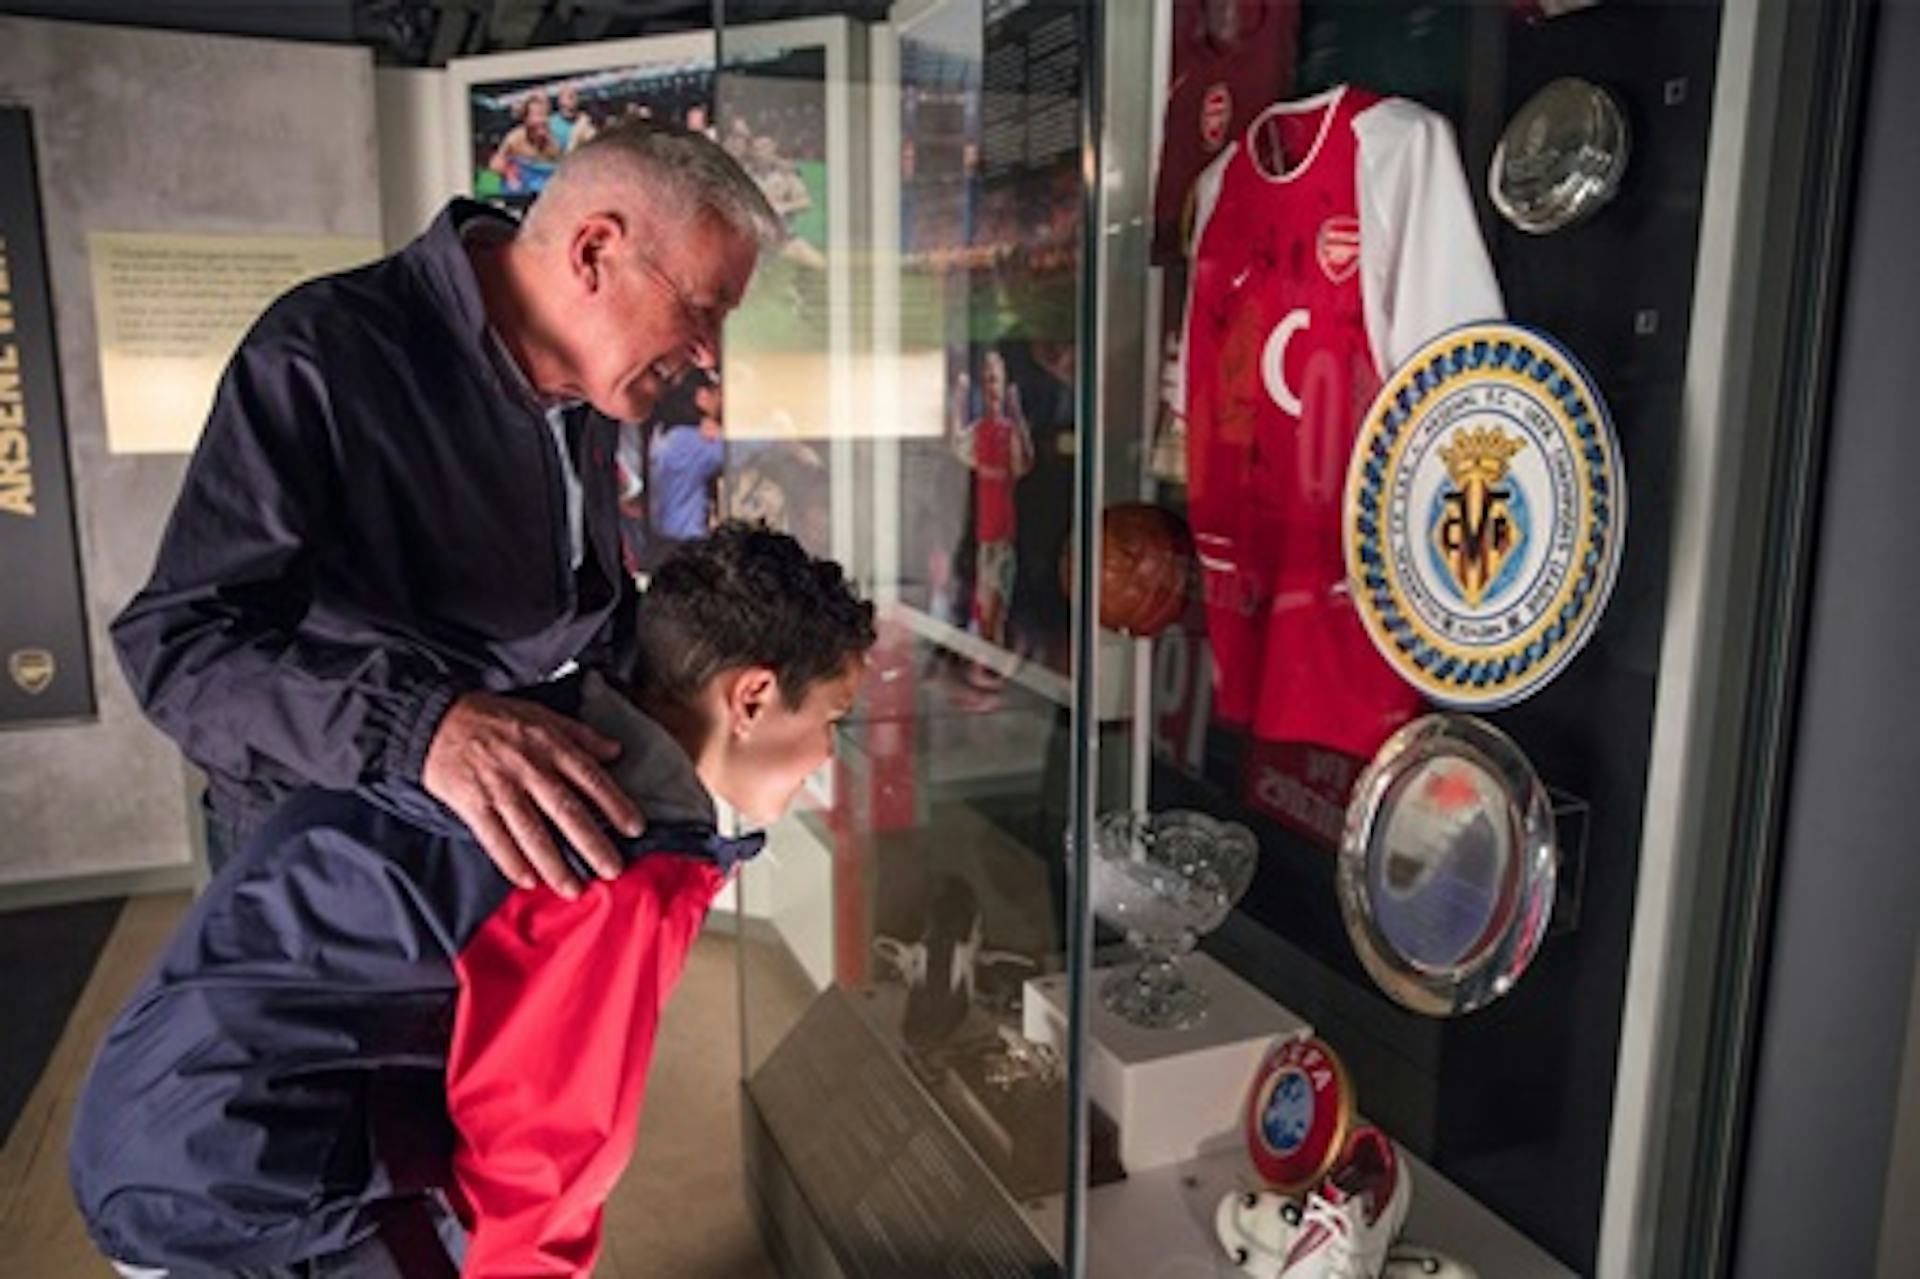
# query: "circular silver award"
(1562, 157)
(1447, 867)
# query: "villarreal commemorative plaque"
(1485, 509)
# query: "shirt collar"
(440, 257)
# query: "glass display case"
(1291, 446)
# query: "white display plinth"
(1173, 1094)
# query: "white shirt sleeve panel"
(1206, 198)
(1423, 267)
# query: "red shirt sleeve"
(553, 1032)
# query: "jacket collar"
(653, 769)
(439, 257)
(656, 773)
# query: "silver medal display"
(1447, 868)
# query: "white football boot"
(1350, 1222)
(1257, 1227)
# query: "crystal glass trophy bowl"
(1165, 879)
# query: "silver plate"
(1561, 158)
(1447, 868)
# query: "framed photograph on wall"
(926, 194)
(977, 209)
(513, 116)
(797, 400)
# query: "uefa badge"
(1298, 1115)
(1485, 510)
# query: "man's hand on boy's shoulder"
(507, 768)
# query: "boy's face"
(773, 748)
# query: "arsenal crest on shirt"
(1230, 58)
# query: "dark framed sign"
(45, 672)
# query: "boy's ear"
(750, 697)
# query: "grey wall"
(152, 132)
(419, 172)
(1834, 1027)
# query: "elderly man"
(404, 503)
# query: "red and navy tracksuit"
(361, 1012)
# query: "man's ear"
(595, 240)
(749, 699)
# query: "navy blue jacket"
(373, 523)
(360, 1007)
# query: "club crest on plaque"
(1485, 513)
(1481, 522)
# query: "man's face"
(569, 103)
(655, 308)
(784, 745)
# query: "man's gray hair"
(674, 171)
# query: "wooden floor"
(680, 1212)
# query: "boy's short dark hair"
(747, 596)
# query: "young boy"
(360, 1023)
